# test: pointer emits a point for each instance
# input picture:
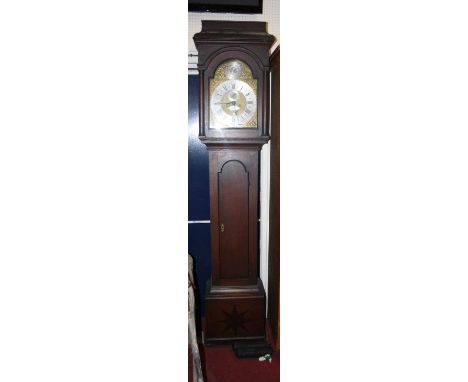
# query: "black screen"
(226, 6)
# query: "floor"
(220, 364)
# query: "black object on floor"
(246, 349)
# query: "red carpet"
(221, 365)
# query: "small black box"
(246, 349)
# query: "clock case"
(235, 296)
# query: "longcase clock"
(234, 68)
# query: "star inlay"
(235, 320)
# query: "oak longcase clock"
(234, 68)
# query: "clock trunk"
(235, 299)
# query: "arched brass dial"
(233, 96)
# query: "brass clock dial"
(233, 96)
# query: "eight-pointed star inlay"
(234, 320)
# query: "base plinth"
(235, 313)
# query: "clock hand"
(225, 103)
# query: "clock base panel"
(234, 314)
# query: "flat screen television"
(226, 6)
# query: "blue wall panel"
(198, 192)
(199, 240)
(198, 197)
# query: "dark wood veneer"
(234, 195)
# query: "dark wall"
(198, 197)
